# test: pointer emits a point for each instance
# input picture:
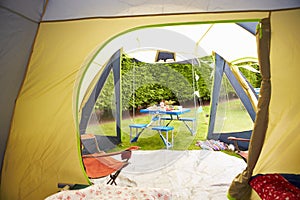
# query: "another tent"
(46, 47)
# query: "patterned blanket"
(213, 145)
(103, 191)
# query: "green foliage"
(204, 71)
(104, 101)
(145, 84)
(253, 78)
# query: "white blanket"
(196, 174)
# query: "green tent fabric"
(47, 48)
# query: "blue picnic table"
(160, 115)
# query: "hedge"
(145, 84)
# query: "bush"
(145, 84)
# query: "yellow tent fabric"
(275, 139)
(240, 189)
(43, 145)
(282, 138)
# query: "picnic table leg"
(170, 120)
(139, 133)
(165, 139)
(192, 130)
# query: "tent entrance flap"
(93, 113)
(232, 113)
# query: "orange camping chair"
(100, 164)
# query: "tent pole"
(117, 82)
(219, 70)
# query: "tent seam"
(19, 14)
(156, 15)
(170, 14)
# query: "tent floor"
(195, 174)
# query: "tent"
(46, 47)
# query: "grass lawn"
(183, 139)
